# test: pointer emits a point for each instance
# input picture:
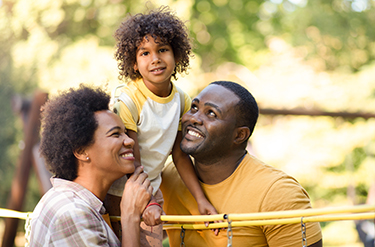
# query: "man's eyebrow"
(196, 100)
(114, 128)
(214, 106)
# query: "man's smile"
(193, 132)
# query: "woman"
(86, 148)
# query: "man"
(215, 133)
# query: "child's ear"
(135, 66)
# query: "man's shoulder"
(257, 169)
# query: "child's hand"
(206, 208)
(151, 215)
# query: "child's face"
(155, 62)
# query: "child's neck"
(161, 90)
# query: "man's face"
(208, 128)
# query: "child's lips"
(157, 71)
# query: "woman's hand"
(137, 193)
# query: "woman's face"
(112, 151)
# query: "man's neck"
(221, 169)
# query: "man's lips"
(193, 132)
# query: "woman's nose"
(128, 142)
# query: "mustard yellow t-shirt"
(253, 187)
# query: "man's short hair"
(247, 110)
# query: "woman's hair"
(68, 125)
(160, 23)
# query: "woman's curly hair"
(68, 125)
(160, 23)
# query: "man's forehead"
(217, 95)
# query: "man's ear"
(242, 135)
(80, 154)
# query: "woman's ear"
(81, 155)
(242, 135)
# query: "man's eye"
(194, 108)
(211, 114)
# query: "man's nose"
(196, 118)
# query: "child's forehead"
(155, 39)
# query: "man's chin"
(188, 149)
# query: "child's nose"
(155, 59)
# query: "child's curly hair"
(160, 23)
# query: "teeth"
(127, 155)
(193, 133)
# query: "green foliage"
(334, 34)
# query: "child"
(151, 49)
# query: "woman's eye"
(116, 134)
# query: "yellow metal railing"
(359, 212)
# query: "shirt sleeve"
(126, 116)
(79, 227)
(187, 107)
(288, 194)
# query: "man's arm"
(294, 197)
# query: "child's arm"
(151, 215)
(186, 170)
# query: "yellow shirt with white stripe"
(157, 127)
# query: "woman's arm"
(137, 194)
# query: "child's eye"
(144, 53)
(163, 50)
